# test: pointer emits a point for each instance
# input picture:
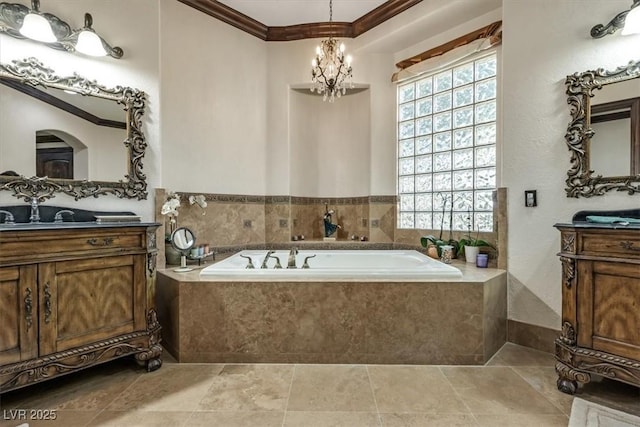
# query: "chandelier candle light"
(330, 69)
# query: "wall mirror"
(603, 135)
(69, 135)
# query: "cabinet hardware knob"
(47, 303)
(629, 245)
(107, 241)
(28, 308)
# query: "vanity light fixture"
(18, 21)
(88, 41)
(330, 69)
(628, 21)
(36, 27)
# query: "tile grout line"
(531, 385)
(286, 406)
(113, 400)
(373, 393)
(193, 413)
(458, 395)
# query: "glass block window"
(447, 148)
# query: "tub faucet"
(266, 258)
(35, 211)
(8, 217)
(58, 216)
(292, 258)
(249, 261)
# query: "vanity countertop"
(587, 224)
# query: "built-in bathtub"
(326, 264)
(226, 313)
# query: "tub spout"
(292, 258)
(266, 258)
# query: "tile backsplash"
(255, 221)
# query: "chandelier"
(330, 69)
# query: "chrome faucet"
(8, 217)
(35, 211)
(58, 216)
(292, 258)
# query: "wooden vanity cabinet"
(600, 305)
(71, 298)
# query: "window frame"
(435, 210)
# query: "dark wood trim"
(493, 30)
(231, 16)
(249, 25)
(599, 113)
(382, 13)
(610, 116)
(310, 31)
(65, 106)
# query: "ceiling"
(277, 13)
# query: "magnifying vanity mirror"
(182, 240)
(69, 135)
(604, 133)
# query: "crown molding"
(257, 29)
(492, 31)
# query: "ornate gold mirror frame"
(134, 185)
(581, 180)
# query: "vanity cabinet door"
(18, 314)
(88, 300)
(609, 307)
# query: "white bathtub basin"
(360, 264)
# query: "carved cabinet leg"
(153, 364)
(568, 378)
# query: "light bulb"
(90, 44)
(342, 47)
(349, 59)
(632, 22)
(36, 27)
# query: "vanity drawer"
(626, 246)
(89, 241)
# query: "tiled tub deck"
(458, 321)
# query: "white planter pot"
(470, 253)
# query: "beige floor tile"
(332, 419)
(523, 420)
(414, 389)
(235, 419)
(140, 419)
(90, 390)
(497, 391)
(543, 380)
(516, 355)
(409, 419)
(171, 388)
(53, 418)
(331, 388)
(248, 388)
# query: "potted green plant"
(470, 246)
(439, 242)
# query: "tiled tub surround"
(460, 321)
(235, 222)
